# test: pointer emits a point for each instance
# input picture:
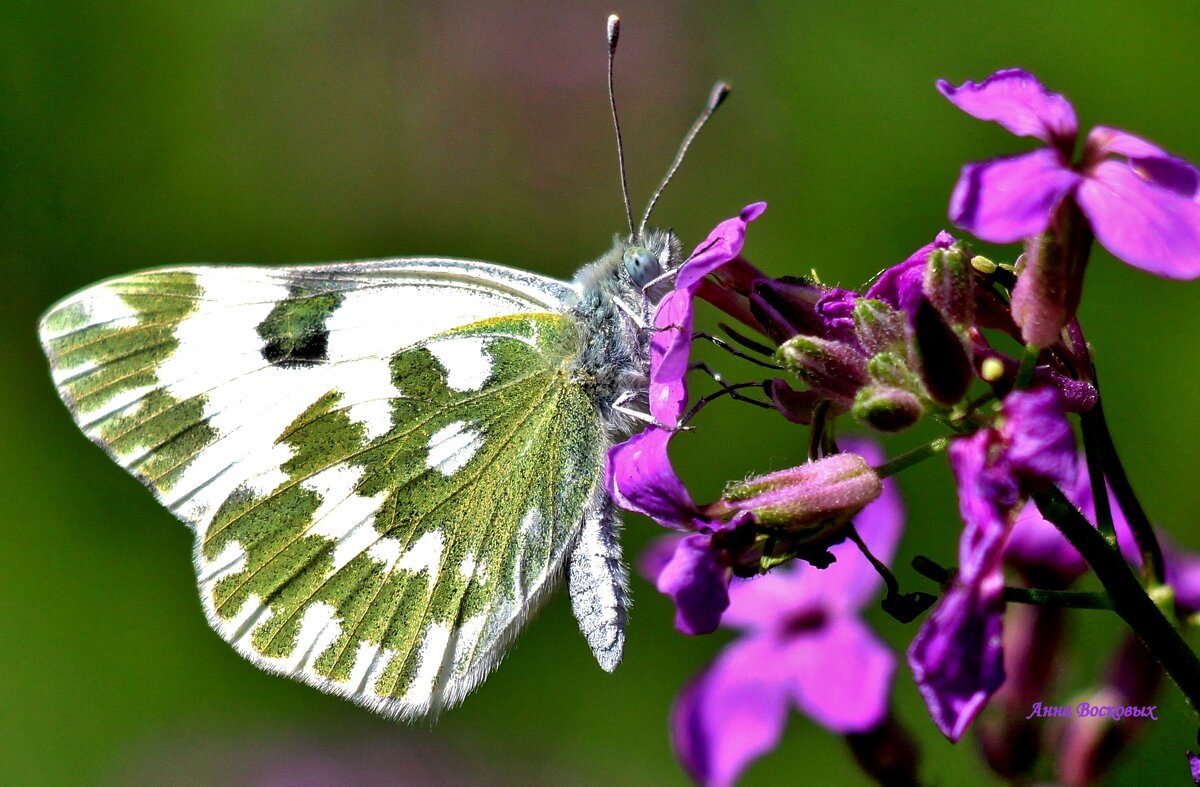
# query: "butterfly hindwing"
(386, 464)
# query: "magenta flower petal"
(1150, 161)
(670, 354)
(842, 676)
(1007, 199)
(655, 557)
(1038, 547)
(697, 580)
(900, 286)
(1146, 226)
(1017, 101)
(956, 657)
(1183, 575)
(731, 713)
(757, 603)
(639, 477)
(722, 245)
(1041, 445)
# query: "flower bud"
(946, 368)
(1039, 298)
(894, 370)
(886, 408)
(950, 286)
(810, 500)
(833, 368)
(1050, 280)
(879, 327)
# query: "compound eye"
(642, 266)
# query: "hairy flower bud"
(1050, 279)
(894, 370)
(832, 368)
(1039, 299)
(879, 327)
(950, 286)
(808, 501)
(886, 408)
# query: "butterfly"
(388, 465)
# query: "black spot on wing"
(295, 333)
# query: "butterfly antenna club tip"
(614, 33)
(716, 96)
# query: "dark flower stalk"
(1130, 600)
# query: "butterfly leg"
(637, 319)
(598, 582)
(642, 415)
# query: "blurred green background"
(152, 132)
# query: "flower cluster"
(992, 353)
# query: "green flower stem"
(1100, 450)
(1073, 599)
(910, 458)
(1038, 597)
(1095, 466)
(1129, 598)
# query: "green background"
(143, 133)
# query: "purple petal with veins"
(1016, 100)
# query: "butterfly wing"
(386, 464)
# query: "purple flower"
(1142, 207)
(786, 308)
(803, 643)
(956, 658)
(638, 472)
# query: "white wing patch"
(343, 516)
(425, 555)
(467, 364)
(451, 447)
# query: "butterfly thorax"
(617, 297)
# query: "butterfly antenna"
(614, 32)
(718, 94)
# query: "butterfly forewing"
(385, 463)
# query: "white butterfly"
(388, 465)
